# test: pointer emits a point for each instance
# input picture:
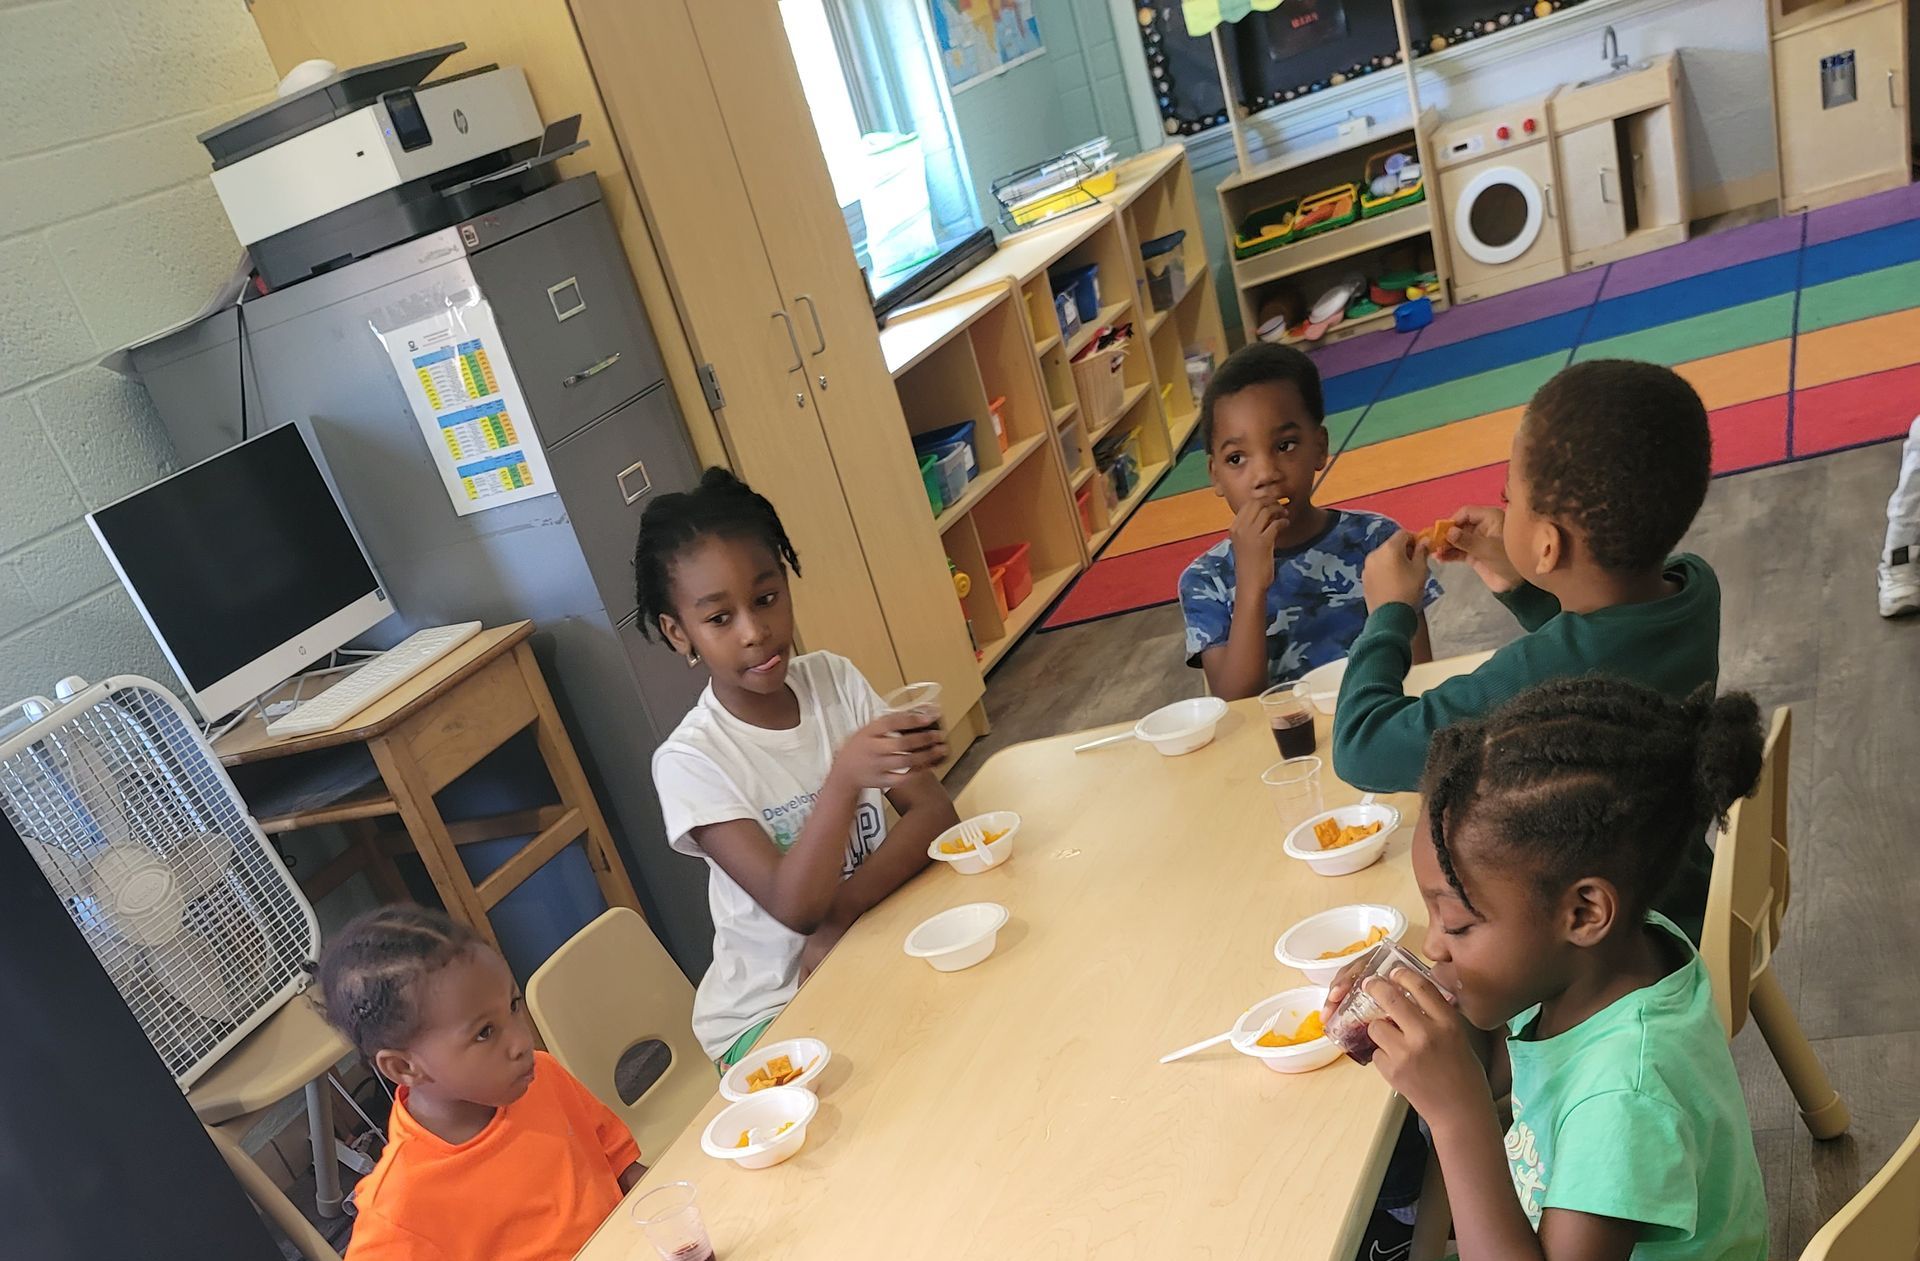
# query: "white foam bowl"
(799, 1050)
(1321, 685)
(1301, 946)
(1182, 726)
(1301, 843)
(969, 862)
(1294, 1006)
(958, 938)
(767, 1110)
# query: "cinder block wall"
(109, 231)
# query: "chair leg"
(270, 1201)
(1821, 1106)
(1433, 1220)
(326, 1165)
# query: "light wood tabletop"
(1016, 1109)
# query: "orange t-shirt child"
(531, 1186)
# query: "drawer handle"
(1603, 186)
(567, 383)
(646, 483)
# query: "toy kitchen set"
(455, 330)
(1386, 223)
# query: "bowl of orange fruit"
(789, 1062)
(1322, 944)
(760, 1132)
(1343, 840)
(1284, 1032)
(974, 845)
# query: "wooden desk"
(1016, 1109)
(422, 736)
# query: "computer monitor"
(245, 568)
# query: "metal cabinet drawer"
(668, 685)
(608, 472)
(571, 319)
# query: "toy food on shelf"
(1309, 1029)
(1267, 228)
(1332, 836)
(1393, 180)
(963, 587)
(1324, 211)
(1375, 937)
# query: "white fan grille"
(139, 830)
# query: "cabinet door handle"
(592, 370)
(1893, 102)
(1603, 186)
(799, 360)
(646, 483)
(1546, 195)
(814, 313)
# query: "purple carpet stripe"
(1355, 353)
(1510, 310)
(1703, 255)
(1851, 217)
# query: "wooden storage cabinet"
(1621, 160)
(1832, 152)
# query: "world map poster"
(981, 38)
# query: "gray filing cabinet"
(580, 345)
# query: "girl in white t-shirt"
(780, 776)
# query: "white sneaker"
(1900, 583)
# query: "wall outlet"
(1354, 125)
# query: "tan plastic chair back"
(1882, 1223)
(1747, 898)
(613, 990)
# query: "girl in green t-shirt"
(1549, 827)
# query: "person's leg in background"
(1900, 558)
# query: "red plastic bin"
(1084, 499)
(997, 576)
(1019, 580)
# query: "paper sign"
(468, 404)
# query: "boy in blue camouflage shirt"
(1281, 593)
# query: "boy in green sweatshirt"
(1608, 468)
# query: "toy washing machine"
(1496, 191)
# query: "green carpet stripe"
(1714, 333)
(1860, 297)
(1189, 474)
(1443, 404)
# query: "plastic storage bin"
(1098, 379)
(1265, 229)
(1199, 373)
(940, 441)
(930, 478)
(997, 578)
(1083, 283)
(951, 469)
(1083, 500)
(1067, 313)
(1166, 264)
(1071, 449)
(1019, 571)
(997, 410)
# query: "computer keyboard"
(373, 680)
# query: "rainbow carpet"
(1801, 334)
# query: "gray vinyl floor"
(1795, 548)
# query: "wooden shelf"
(1081, 478)
(1330, 247)
(1046, 588)
(1180, 428)
(1196, 280)
(1108, 314)
(1148, 476)
(1307, 155)
(1061, 415)
(1384, 313)
(1128, 403)
(979, 486)
(1045, 344)
(1158, 318)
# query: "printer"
(368, 158)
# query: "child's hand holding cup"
(922, 700)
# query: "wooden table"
(422, 736)
(1016, 1109)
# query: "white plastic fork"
(975, 834)
(1218, 1038)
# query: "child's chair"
(617, 1013)
(1746, 902)
(1882, 1223)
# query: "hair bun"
(718, 478)
(1728, 747)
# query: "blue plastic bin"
(1084, 284)
(941, 441)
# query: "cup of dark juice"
(1289, 716)
(922, 700)
(1347, 1026)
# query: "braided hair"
(1592, 776)
(722, 505)
(371, 970)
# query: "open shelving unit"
(994, 332)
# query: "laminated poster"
(469, 406)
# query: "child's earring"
(693, 658)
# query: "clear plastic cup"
(1294, 787)
(669, 1218)
(922, 699)
(1347, 1026)
(1289, 716)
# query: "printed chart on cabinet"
(469, 406)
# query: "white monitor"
(245, 568)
